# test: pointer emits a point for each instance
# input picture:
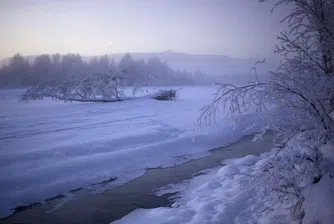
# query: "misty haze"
(166, 111)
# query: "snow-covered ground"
(219, 196)
(48, 147)
(240, 193)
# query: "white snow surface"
(49, 148)
(319, 198)
(319, 202)
(219, 196)
(230, 195)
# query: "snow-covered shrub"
(37, 92)
(281, 179)
(319, 202)
(170, 94)
(99, 87)
(110, 87)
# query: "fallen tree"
(169, 94)
(98, 87)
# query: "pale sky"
(237, 28)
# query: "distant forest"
(53, 69)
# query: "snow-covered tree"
(99, 87)
(297, 100)
(311, 34)
(298, 97)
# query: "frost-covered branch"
(232, 100)
(299, 95)
(311, 31)
(298, 102)
(99, 87)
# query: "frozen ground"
(237, 193)
(219, 196)
(48, 147)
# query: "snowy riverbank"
(242, 192)
(48, 148)
(138, 193)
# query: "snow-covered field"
(48, 147)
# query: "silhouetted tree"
(41, 68)
(19, 71)
(103, 64)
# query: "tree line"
(53, 69)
